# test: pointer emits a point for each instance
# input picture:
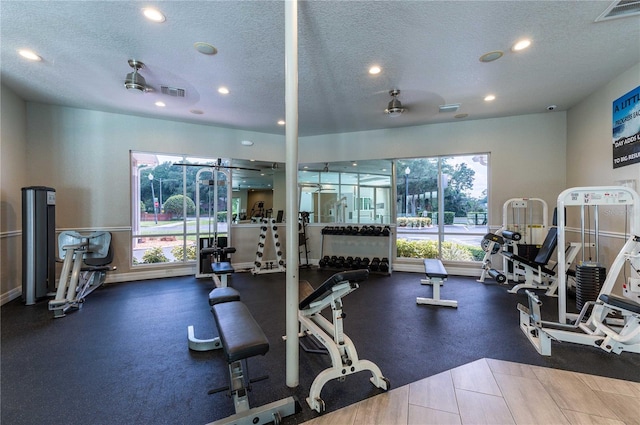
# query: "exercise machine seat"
(223, 295)
(544, 255)
(240, 334)
(222, 268)
(620, 302)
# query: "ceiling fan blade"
(242, 168)
(226, 167)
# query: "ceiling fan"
(218, 165)
(319, 187)
(324, 169)
(395, 108)
(418, 102)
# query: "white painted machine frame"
(75, 284)
(343, 353)
(214, 171)
(615, 335)
(526, 231)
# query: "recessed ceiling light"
(246, 143)
(223, 90)
(374, 70)
(252, 160)
(29, 54)
(461, 116)
(489, 98)
(281, 122)
(196, 111)
(205, 48)
(355, 164)
(521, 45)
(491, 56)
(153, 14)
(160, 104)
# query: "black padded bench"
(620, 302)
(344, 356)
(216, 296)
(436, 276)
(242, 338)
(240, 334)
(220, 264)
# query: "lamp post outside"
(407, 171)
(153, 198)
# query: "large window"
(347, 192)
(173, 204)
(442, 207)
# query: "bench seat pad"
(223, 267)
(223, 295)
(434, 268)
(239, 332)
(532, 264)
(621, 302)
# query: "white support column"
(291, 180)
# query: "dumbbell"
(323, 261)
(386, 231)
(375, 264)
(384, 265)
(365, 263)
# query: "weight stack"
(589, 279)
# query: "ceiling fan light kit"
(135, 81)
(394, 108)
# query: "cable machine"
(220, 180)
(610, 322)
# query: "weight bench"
(344, 357)
(436, 276)
(218, 295)
(242, 338)
(220, 266)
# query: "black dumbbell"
(384, 265)
(375, 264)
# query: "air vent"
(173, 91)
(620, 9)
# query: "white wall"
(589, 136)
(590, 161)
(13, 176)
(527, 152)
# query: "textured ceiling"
(428, 49)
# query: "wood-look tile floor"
(491, 391)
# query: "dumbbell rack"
(268, 228)
(358, 244)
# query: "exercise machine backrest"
(352, 276)
(548, 246)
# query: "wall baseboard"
(10, 295)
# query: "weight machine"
(85, 263)
(610, 322)
(212, 239)
(524, 222)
